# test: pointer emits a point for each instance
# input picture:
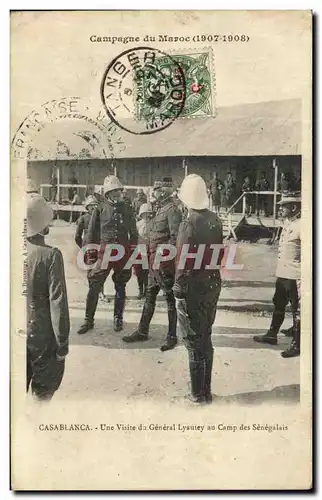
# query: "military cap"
(161, 182)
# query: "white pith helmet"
(90, 200)
(193, 192)
(110, 183)
(145, 208)
(39, 214)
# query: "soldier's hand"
(178, 292)
(91, 256)
(60, 358)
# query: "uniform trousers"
(44, 371)
(196, 315)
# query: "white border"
(4, 138)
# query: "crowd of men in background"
(222, 192)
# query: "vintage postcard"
(161, 187)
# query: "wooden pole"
(58, 183)
(275, 167)
(185, 166)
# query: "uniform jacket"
(164, 225)
(112, 223)
(289, 251)
(81, 229)
(47, 304)
(198, 227)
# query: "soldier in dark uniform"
(111, 222)
(197, 290)
(47, 305)
(83, 222)
(164, 229)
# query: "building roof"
(271, 128)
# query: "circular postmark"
(65, 128)
(143, 90)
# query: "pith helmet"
(145, 208)
(32, 186)
(290, 198)
(110, 183)
(90, 200)
(39, 214)
(193, 192)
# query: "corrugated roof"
(260, 129)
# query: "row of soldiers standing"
(191, 294)
(113, 221)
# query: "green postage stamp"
(198, 70)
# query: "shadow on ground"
(284, 394)
(280, 394)
(103, 335)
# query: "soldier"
(197, 290)
(288, 273)
(83, 222)
(111, 222)
(164, 229)
(47, 305)
(216, 187)
(143, 227)
(126, 198)
(139, 199)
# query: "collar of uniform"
(165, 201)
(37, 239)
(112, 203)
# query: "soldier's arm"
(93, 231)
(79, 231)
(174, 220)
(58, 302)
(185, 237)
(132, 229)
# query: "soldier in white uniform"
(288, 273)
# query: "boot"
(86, 326)
(118, 324)
(91, 305)
(137, 336)
(171, 340)
(169, 344)
(197, 377)
(208, 372)
(294, 349)
(141, 288)
(119, 303)
(288, 332)
(269, 338)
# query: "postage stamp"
(143, 90)
(199, 74)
